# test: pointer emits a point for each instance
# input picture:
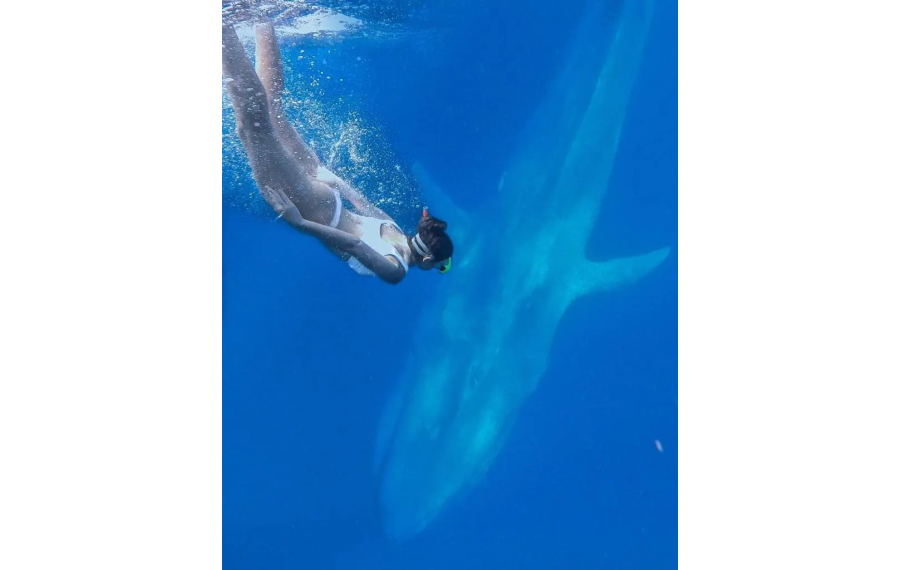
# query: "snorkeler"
(305, 193)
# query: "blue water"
(311, 350)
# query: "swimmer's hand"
(282, 206)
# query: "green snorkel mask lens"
(445, 267)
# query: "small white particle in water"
(658, 446)
(257, 124)
(358, 58)
(228, 79)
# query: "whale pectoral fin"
(609, 275)
(436, 198)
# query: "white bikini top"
(371, 236)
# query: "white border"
(110, 225)
(788, 312)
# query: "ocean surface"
(588, 476)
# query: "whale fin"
(436, 199)
(594, 276)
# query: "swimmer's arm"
(384, 267)
(387, 269)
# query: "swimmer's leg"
(271, 163)
(271, 74)
(248, 98)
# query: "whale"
(481, 347)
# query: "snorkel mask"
(427, 257)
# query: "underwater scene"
(449, 259)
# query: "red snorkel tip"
(424, 212)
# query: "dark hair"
(433, 233)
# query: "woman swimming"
(302, 191)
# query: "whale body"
(482, 346)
